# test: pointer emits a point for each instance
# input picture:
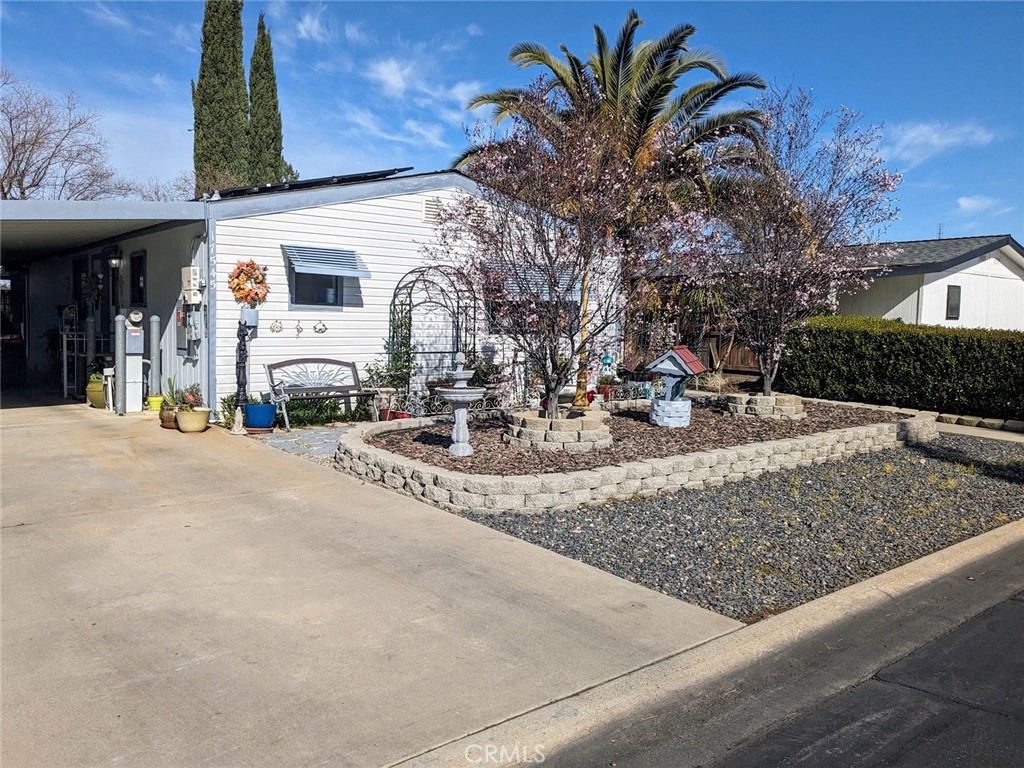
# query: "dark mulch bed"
(634, 439)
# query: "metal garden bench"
(315, 378)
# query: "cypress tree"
(219, 101)
(266, 140)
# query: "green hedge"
(871, 360)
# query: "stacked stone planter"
(579, 432)
(765, 407)
(568, 490)
(671, 413)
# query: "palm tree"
(634, 89)
(635, 86)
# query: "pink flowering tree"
(800, 220)
(562, 225)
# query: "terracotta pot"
(607, 391)
(167, 414)
(193, 421)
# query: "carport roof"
(34, 228)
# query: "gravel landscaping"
(634, 439)
(758, 547)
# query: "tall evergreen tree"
(266, 140)
(220, 102)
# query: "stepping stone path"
(312, 441)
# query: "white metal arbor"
(433, 316)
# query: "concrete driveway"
(206, 600)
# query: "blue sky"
(372, 85)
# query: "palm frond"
(698, 100)
(701, 58)
(651, 54)
(621, 64)
(503, 100)
(599, 59)
(525, 55)
(737, 122)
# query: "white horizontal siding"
(991, 294)
(387, 233)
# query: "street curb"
(745, 681)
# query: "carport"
(63, 262)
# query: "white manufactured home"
(962, 282)
(335, 250)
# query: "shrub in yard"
(871, 360)
(307, 413)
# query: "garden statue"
(674, 367)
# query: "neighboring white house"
(961, 282)
(335, 248)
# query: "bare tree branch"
(52, 149)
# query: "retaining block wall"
(563, 491)
(576, 434)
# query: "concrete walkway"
(208, 600)
(990, 434)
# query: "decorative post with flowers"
(248, 283)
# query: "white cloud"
(130, 82)
(911, 144)
(413, 131)
(186, 36)
(278, 9)
(104, 14)
(474, 30)
(431, 134)
(464, 90)
(975, 204)
(161, 81)
(311, 26)
(393, 76)
(354, 33)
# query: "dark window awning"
(313, 260)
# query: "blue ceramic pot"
(260, 416)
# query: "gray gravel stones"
(757, 547)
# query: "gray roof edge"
(996, 243)
(111, 210)
(290, 200)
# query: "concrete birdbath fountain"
(460, 396)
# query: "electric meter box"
(191, 286)
(134, 342)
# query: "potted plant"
(606, 386)
(259, 416)
(193, 415)
(94, 390)
(169, 406)
(487, 374)
(433, 384)
(388, 381)
(156, 402)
